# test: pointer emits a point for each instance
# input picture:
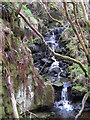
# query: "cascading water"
(53, 44)
(51, 70)
(64, 103)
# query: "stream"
(56, 71)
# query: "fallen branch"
(55, 54)
(83, 104)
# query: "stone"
(48, 95)
(45, 60)
(78, 92)
(63, 73)
(58, 50)
(57, 84)
(34, 48)
(55, 70)
(46, 70)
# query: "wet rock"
(78, 92)
(46, 70)
(58, 30)
(58, 50)
(57, 84)
(55, 70)
(60, 64)
(45, 60)
(38, 56)
(63, 74)
(34, 48)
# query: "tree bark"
(19, 8)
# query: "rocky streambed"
(67, 97)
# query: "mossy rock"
(47, 98)
(2, 112)
(79, 89)
(57, 84)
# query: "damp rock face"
(26, 102)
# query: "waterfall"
(64, 103)
(64, 95)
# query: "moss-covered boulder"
(78, 92)
(48, 96)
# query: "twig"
(42, 68)
(11, 91)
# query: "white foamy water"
(64, 103)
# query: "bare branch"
(83, 104)
(85, 13)
(76, 32)
(19, 8)
(11, 91)
(55, 54)
(76, 20)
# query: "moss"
(2, 112)
(1, 90)
(79, 88)
(48, 95)
(1, 21)
(1, 101)
(9, 109)
(57, 83)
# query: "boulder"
(34, 48)
(78, 92)
(48, 96)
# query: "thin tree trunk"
(76, 32)
(85, 13)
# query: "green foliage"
(85, 28)
(28, 12)
(71, 30)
